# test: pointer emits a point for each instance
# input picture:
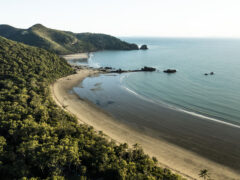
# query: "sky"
(162, 18)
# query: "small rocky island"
(170, 71)
(144, 47)
(211, 73)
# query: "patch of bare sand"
(76, 56)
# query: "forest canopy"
(40, 140)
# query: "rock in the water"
(206, 74)
(170, 71)
(108, 67)
(148, 69)
(144, 47)
(119, 71)
(211, 73)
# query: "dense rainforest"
(40, 140)
(64, 42)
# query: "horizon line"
(136, 36)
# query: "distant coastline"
(167, 153)
(63, 42)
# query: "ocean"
(140, 95)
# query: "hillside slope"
(63, 42)
(38, 139)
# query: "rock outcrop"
(144, 47)
(148, 69)
(211, 73)
(170, 71)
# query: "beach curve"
(184, 162)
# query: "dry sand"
(184, 162)
(76, 56)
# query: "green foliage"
(62, 42)
(38, 140)
(204, 174)
(103, 41)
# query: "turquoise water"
(216, 96)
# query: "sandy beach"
(76, 56)
(180, 160)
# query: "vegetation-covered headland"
(39, 139)
(64, 42)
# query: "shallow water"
(216, 96)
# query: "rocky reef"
(170, 71)
(211, 73)
(148, 69)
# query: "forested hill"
(38, 139)
(64, 42)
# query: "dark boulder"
(108, 68)
(170, 71)
(211, 73)
(144, 47)
(148, 69)
(119, 71)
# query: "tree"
(39, 140)
(204, 174)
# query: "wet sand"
(179, 141)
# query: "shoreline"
(191, 113)
(179, 160)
